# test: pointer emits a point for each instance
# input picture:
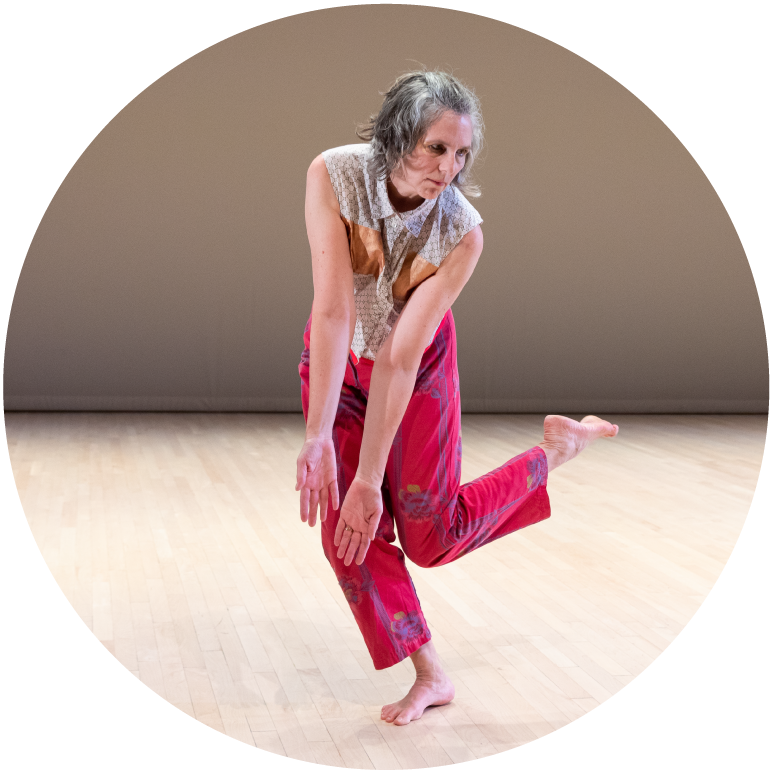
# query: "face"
(437, 158)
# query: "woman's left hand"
(359, 517)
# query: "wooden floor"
(177, 540)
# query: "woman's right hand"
(317, 479)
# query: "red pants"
(437, 519)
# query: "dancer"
(393, 242)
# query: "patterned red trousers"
(437, 519)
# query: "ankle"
(552, 454)
(432, 673)
(427, 664)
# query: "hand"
(317, 479)
(359, 517)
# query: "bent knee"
(421, 556)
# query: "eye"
(437, 148)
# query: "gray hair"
(410, 106)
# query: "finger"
(313, 502)
(338, 531)
(323, 497)
(363, 547)
(353, 546)
(372, 526)
(335, 494)
(344, 542)
(304, 494)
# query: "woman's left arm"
(391, 387)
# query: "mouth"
(438, 184)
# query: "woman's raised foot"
(565, 438)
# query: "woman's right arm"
(332, 329)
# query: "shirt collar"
(413, 220)
(380, 204)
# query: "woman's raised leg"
(437, 518)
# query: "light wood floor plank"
(344, 735)
(269, 741)
(176, 539)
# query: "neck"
(402, 198)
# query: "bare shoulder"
(319, 185)
(318, 167)
(318, 174)
(473, 240)
(469, 248)
(458, 266)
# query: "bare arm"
(396, 366)
(391, 387)
(332, 328)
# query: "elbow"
(338, 313)
(404, 362)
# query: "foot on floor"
(424, 693)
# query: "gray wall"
(172, 271)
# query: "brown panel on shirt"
(414, 270)
(366, 248)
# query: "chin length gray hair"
(410, 106)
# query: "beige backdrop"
(171, 270)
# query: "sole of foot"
(565, 438)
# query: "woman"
(393, 242)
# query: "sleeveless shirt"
(391, 252)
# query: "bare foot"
(432, 687)
(565, 438)
(422, 694)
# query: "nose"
(449, 166)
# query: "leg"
(439, 520)
(380, 592)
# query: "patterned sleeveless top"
(391, 252)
